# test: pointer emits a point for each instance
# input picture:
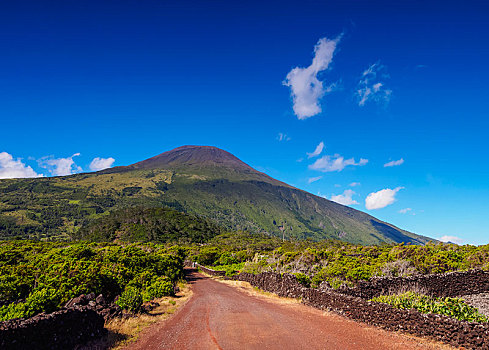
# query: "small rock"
(101, 300)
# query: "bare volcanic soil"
(223, 317)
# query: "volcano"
(212, 182)
(202, 181)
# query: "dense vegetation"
(40, 277)
(149, 225)
(452, 307)
(336, 263)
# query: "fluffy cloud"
(101, 163)
(317, 151)
(394, 163)
(353, 184)
(345, 198)
(11, 168)
(370, 88)
(453, 239)
(60, 166)
(305, 88)
(405, 210)
(382, 198)
(314, 179)
(335, 163)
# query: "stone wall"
(449, 284)
(81, 320)
(209, 271)
(62, 329)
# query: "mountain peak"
(190, 155)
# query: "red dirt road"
(219, 316)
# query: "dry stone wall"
(62, 329)
(449, 284)
(81, 320)
(207, 270)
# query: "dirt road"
(219, 316)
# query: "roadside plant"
(130, 299)
(41, 300)
(159, 288)
(452, 307)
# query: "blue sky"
(126, 80)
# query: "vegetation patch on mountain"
(158, 225)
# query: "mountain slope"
(200, 180)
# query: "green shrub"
(227, 258)
(159, 288)
(452, 307)
(130, 299)
(230, 270)
(208, 255)
(143, 280)
(303, 279)
(42, 300)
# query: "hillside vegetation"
(158, 225)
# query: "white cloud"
(370, 88)
(353, 184)
(101, 163)
(317, 151)
(305, 88)
(283, 137)
(335, 163)
(345, 198)
(11, 168)
(405, 210)
(382, 198)
(60, 166)
(314, 179)
(394, 163)
(453, 239)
